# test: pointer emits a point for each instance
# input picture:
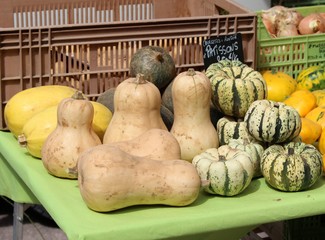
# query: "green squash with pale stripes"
(272, 122)
(291, 167)
(230, 128)
(224, 171)
(235, 86)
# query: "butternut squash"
(136, 110)
(111, 179)
(192, 126)
(155, 144)
(72, 135)
(38, 128)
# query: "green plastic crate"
(289, 54)
(297, 3)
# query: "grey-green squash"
(225, 170)
(155, 64)
(272, 122)
(235, 86)
(291, 167)
(231, 128)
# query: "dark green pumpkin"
(167, 98)
(272, 122)
(235, 86)
(155, 64)
(107, 99)
(291, 167)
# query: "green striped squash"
(235, 86)
(272, 122)
(253, 148)
(312, 78)
(291, 167)
(224, 170)
(230, 128)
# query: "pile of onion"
(282, 21)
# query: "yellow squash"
(317, 115)
(279, 85)
(310, 131)
(25, 104)
(302, 100)
(320, 97)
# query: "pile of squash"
(160, 137)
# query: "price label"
(223, 47)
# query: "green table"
(25, 180)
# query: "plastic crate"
(88, 44)
(290, 54)
(304, 228)
(297, 3)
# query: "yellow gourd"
(111, 179)
(25, 104)
(136, 110)
(280, 85)
(72, 136)
(192, 126)
(38, 128)
(302, 100)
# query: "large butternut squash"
(111, 179)
(155, 144)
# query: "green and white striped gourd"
(272, 122)
(224, 170)
(291, 167)
(230, 128)
(235, 86)
(253, 148)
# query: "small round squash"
(272, 122)
(235, 86)
(291, 167)
(254, 149)
(225, 170)
(231, 128)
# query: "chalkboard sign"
(223, 47)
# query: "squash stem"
(190, 72)
(291, 151)
(140, 79)
(78, 96)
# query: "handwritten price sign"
(223, 47)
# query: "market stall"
(209, 217)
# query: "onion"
(270, 18)
(312, 23)
(287, 29)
